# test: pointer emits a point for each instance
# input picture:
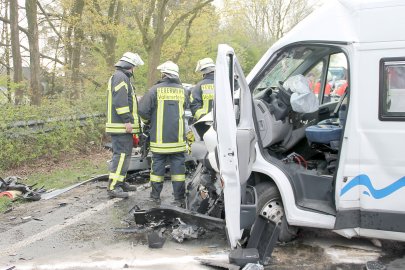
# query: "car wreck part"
(57, 192)
(170, 213)
(12, 185)
(218, 264)
(375, 265)
(155, 240)
(186, 231)
(244, 256)
(263, 237)
(253, 266)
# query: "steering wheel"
(281, 88)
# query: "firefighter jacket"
(163, 107)
(122, 105)
(202, 96)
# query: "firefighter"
(202, 95)
(163, 109)
(122, 122)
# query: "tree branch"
(184, 16)
(22, 29)
(187, 39)
(49, 21)
(145, 37)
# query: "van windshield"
(283, 67)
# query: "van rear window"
(392, 89)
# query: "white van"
(338, 165)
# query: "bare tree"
(156, 20)
(268, 20)
(75, 49)
(109, 33)
(16, 51)
(35, 70)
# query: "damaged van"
(315, 134)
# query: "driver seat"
(329, 132)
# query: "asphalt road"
(78, 230)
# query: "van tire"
(268, 195)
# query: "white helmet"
(132, 58)
(170, 68)
(205, 63)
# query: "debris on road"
(184, 231)
(57, 192)
(12, 188)
(253, 266)
(218, 264)
(156, 239)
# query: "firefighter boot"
(127, 187)
(116, 191)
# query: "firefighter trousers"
(122, 150)
(177, 170)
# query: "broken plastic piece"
(155, 241)
(253, 266)
(243, 256)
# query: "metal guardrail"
(21, 128)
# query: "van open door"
(236, 136)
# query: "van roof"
(349, 21)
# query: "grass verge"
(60, 174)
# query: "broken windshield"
(283, 67)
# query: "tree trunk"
(109, 46)
(35, 89)
(77, 49)
(15, 48)
(153, 60)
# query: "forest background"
(56, 57)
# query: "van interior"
(305, 145)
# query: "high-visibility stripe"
(109, 101)
(178, 177)
(135, 108)
(159, 122)
(156, 178)
(122, 130)
(165, 145)
(121, 84)
(168, 150)
(122, 110)
(206, 105)
(181, 121)
(118, 177)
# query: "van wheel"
(270, 206)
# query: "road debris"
(156, 239)
(184, 231)
(57, 192)
(13, 188)
(253, 266)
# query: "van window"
(336, 80)
(392, 89)
(283, 67)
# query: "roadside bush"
(62, 129)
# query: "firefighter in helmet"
(202, 95)
(162, 107)
(122, 122)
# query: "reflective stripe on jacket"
(202, 97)
(163, 106)
(122, 105)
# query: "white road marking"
(51, 230)
(190, 261)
